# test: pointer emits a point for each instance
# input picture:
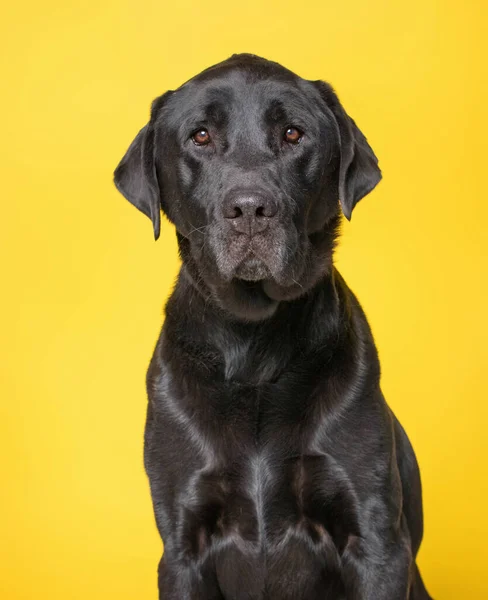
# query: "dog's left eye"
(292, 135)
(201, 137)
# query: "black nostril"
(234, 213)
(249, 211)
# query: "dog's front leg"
(378, 570)
(180, 580)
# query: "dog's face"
(251, 163)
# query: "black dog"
(277, 470)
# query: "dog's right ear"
(135, 176)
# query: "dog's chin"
(253, 291)
(252, 269)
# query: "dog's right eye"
(201, 137)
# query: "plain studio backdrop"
(84, 283)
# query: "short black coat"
(277, 470)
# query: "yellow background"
(83, 283)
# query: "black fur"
(277, 470)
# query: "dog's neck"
(258, 352)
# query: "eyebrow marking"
(276, 112)
(216, 113)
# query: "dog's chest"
(283, 519)
(261, 503)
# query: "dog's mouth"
(270, 256)
(252, 268)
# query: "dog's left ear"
(359, 173)
(135, 176)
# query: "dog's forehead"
(242, 89)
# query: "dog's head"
(252, 164)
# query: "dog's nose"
(249, 212)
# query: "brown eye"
(292, 135)
(201, 137)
